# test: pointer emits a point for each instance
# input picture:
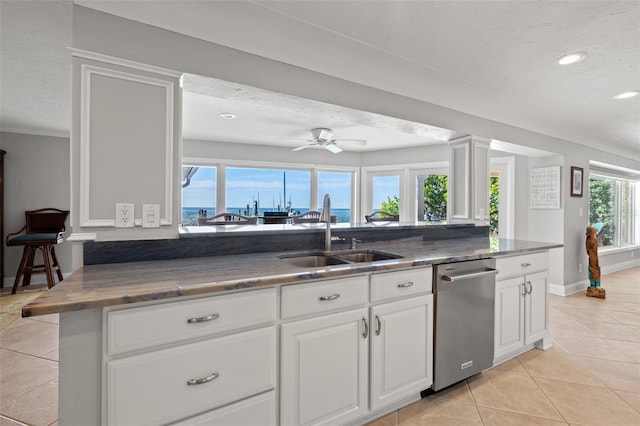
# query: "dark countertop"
(97, 286)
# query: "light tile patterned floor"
(590, 377)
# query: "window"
(612, 202)
(385, 193)
(198, 193)
(338, 186)
(434, 191)
(251, 189)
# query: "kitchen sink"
(317, 259)
(360, 256)
(312, 260)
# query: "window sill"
(614, 250)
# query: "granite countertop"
(97, 286)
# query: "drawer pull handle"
(365, 334)
(203, 319)
(405, 285)
(525, 265)
(332, 297)
(202, 381)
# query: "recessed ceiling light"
(627, 95)
(571, 58)
(227, 115)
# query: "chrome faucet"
(325, 216)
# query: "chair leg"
(29, 266)
(48, 267)
(56, 264)
(23, 262)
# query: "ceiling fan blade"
(359, 141)
(333, 148)
(300, 148)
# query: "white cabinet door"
(324, 365)
(536, 322)
(509, 316)
(401, 349)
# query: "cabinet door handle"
(379, 329)
(332, 297)
(365, 334)
(530, 287)
(525, 265)
(405, 285)
(524, 289)
(203, 319)
(202, 381)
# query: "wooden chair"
(43, 230)
(380, 216)
(308, 217)
(227, 219)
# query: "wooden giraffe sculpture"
(594, 289)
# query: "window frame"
(221, 182)
(633, 227)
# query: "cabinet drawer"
(390, 285)
(154, 388)
(259, 410)
(521, 265)
(323, 296)
(138, 328)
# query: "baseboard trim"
(35, 280)
(619, 266)
(567, 290)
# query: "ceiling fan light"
(322, 133)
(627, 95)
(571, 58)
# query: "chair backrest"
(308, 217)
(227, 219)
(380, 216)
(45, 220)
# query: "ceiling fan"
(323, 137)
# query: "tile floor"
(591, 376)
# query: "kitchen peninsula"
(256, 337)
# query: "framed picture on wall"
(576, 181)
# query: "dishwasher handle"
(450, 278)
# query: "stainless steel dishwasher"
(464, 311)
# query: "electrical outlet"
(124, 215)
(151, 215)
(579, 267)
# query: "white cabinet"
(324, 364)
(401, 349)
(469, 180)
(190, 357)
(327, 376)
(521, 304)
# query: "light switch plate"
(124, 215)
(151, 215)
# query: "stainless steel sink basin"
(360, 256)
(312, 260)
(318, 259)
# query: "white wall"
(36, 177)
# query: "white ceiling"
(491, 59)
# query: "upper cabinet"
(469, 180)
